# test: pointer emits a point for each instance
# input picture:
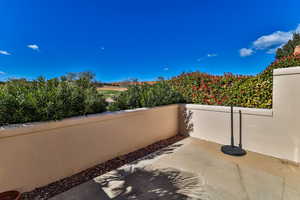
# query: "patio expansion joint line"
(242, 181)
(283, 189)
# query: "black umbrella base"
(233, 150)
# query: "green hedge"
(202, 88)
(27, 101)
(244, 91)
(138, 96)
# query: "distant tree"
(18, 80)
(98, 84)
(160, 78)
(87, 75)
(134, 80)
(83, 79)
(71, 76)
(289, 47)
(63, 78)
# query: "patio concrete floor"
(194, 169)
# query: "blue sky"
(119, 39)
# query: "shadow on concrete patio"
(150, 184)
(194, 169)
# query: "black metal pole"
(240, 114)
(231, 149)
(232, 137)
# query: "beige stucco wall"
(36, 155)
(274, 132)
(46, 152)
(286, 109)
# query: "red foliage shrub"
(229, 89)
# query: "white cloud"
(166, 68)
(209, 55)
(275, 39)
(212, 55)
(271, 42)
(2, 73)
(246, 52)
(33, 47)
(5, 53)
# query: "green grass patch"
(109, 93)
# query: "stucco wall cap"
(249, 111)
(286, 71)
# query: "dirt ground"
(115, 88)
